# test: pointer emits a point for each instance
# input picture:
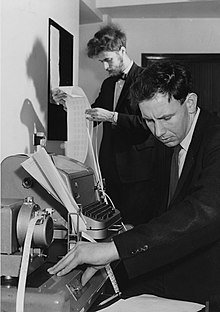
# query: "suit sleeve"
(192, 223)
(129, 119)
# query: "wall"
(151, 36)
(91, 72)
(24, 58)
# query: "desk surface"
(149, 303)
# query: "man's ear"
(191, 102)
(123, 49)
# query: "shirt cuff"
(115, 118)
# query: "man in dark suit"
(125, 165)
(127, 147)
(176, 254)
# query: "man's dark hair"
(108, 38)
(168, 78)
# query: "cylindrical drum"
(43, 231)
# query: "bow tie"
(122, 76)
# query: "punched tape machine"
(22, 198)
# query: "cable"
(109, 198)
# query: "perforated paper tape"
(24, 265)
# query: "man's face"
(112, 61)
(168, 121)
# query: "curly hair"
(109, 38)
(169, 78)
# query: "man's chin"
(171, 144)
(168, 143)
(114, 74)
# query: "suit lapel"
(123, 94)
(192, 151)
(126, 87)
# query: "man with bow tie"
(127, 147)
(125, 162)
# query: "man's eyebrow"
(162, 117)
(147, 118)
(105, 59)
(166, 115)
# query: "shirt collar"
(128, 68)
(187, 140)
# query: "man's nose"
(106, 66)
(159, 129)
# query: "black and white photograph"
(110, 156)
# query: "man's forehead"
(106, 54)
(159, 105)
(160, 99)
(157, 100)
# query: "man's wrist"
(113, 252)
(114, 117)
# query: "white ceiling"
(149, 9)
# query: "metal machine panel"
(9, 212)
(17, 183)
(57, 294)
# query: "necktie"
(174, 173)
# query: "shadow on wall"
(37, 71)
(36, 65)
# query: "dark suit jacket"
(119, 144)
(183, 241)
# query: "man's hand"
(99, 114)
(59, 97)
(96, 254)
(89, 272)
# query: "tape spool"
(43, 231)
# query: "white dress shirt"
(119, 85)
(186, 142)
